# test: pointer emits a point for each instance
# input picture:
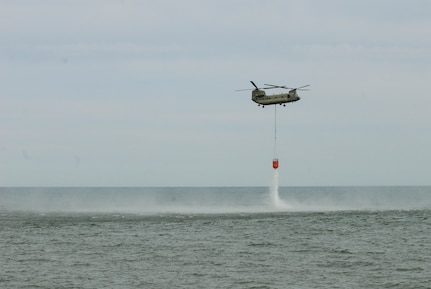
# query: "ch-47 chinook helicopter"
(259, 96)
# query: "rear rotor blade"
(277, 86)
(302, 86)
(272, 86)
(285, 87)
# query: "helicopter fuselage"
(259, 96)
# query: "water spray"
(275, 198)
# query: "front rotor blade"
(254, 84)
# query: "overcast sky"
(142, 93)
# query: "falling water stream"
(275, 198)
(274, 194)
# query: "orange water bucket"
(275, 163)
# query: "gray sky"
(141, 93)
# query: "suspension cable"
(275, 131)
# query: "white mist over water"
(218, 200)
(276, 202)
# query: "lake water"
(315, 237)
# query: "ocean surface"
(230, 237)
